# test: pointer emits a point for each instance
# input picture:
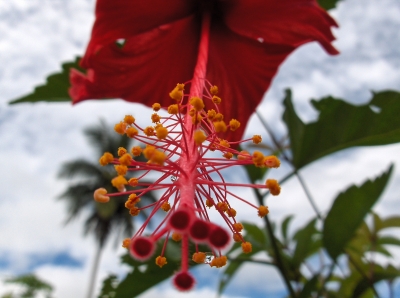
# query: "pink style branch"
(177, 147)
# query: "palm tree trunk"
(95, 268)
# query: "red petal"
(145, 69)
(125, 18)
(242, 69)
(284, 22)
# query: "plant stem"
(279, 263)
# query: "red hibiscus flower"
(141, 49)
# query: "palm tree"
(103, 218)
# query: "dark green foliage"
(145, 275)
(341, 125)
(56, 87)
(328, 4)
(348, 211)
(31, 285)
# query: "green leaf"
(147, 274)
(379, 273)
(259, 241)
(309, 287)
(56, 87)
(284, 228)
(391, 222)
(341, 125)
(328, 4)
(255, 173)
(305, 243)
(108, 289)
(388, 240)
(348, 211)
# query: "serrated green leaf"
(328, 4)
(341, 125)
(348, 211)
(56, 87)
(305, 243)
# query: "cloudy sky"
(37, 35)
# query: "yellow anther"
(272, 161)
(196, 119)
(126, 243)
(262, 211)
(214, 90)
(156, 107)
(131, 132)
(216, 99)
(199, 137)
(218, 117)
(120, 128)
(158, 158)
(136, 150)
(197, 103)
(222, 206)
(176, 236)
(234, 124)
(211, 114)
(212, 147)
(228, 155)
(149, 131)
(219, 261)
(134, 211)
(244, 155)
(177, 92)
(192, 112)
(132, 200)
(121, 169)
(155, 118)
(199, 257)
(173, 109)
(161, 132)
(256, 139)
(121, 151)
(273, 186)
(258, 159)
(100, 195)
(129, 119)
(246, 247)
(119, 182)
(238, 227)
(161, 261)
(209, 203)
(125, 159)
(149, 151)
(220, 126)
(165, 206)
(133, 182)
(224, 143)
(106, 159)
(237, 237)
(231, 212)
